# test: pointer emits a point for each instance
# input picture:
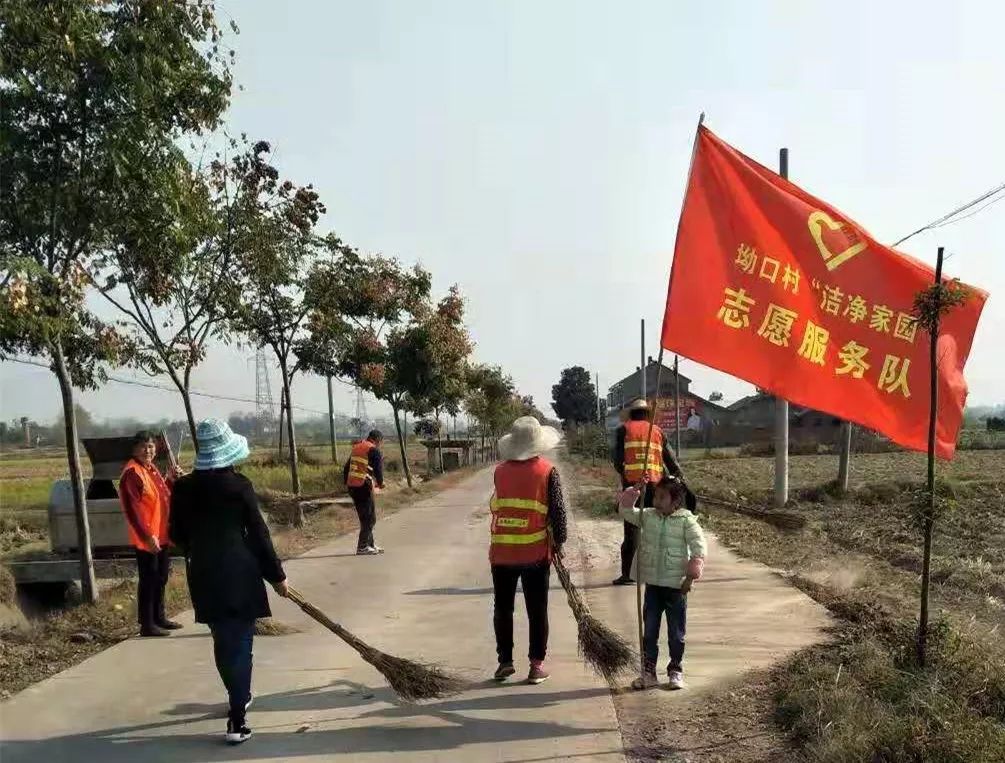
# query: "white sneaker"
(676, 679)
(378, 549)
(368, 551)
(247, 705)
(237, 733)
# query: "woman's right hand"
(282, 588)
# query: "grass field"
(861, 697)
(26, 479)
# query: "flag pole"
(652, 421)
(641, 504)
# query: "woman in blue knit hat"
(216, 522)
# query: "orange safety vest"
(359, 464)
(520, 513)
(636, 433)
(151, 510)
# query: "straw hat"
(527, 439)
(218, 445)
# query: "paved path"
(429, 596)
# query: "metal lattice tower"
(265, 410)
(361, 415)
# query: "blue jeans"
(660, 600)
(232, 641)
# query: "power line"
(946, 218)
(162, 388)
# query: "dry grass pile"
(603, 649)
(409, 679)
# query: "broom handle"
(309, 609)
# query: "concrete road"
(429, 597)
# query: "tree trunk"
(401, 445)
(88, 584)
(439, 442)
(187, 400)
(282, 414)
(291, 436)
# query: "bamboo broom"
(409, 679)
(603, 649)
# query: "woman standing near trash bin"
(216, 521)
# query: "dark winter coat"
(216, 522)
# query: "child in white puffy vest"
(671, 557)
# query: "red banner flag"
(777, 287)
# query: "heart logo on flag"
(818, 222)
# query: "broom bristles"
(604, 650)
(409, 679)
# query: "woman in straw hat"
(216, 522)
(528, 527)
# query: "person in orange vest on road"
(528, 529)
(629, 457)
(146, 500)
(363, 475)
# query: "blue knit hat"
(218, 445)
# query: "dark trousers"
(232, 641)
(153, 571)
(366, 510)
(631, 541)
(661, 600)
(535, 580)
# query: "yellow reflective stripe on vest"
(518, 503)
(519, 540)
(640, 443)
(639, 467)
(512, 522)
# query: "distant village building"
(704, 423)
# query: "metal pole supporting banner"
(782, 406)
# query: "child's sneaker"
(646, 681)
(676, 679)
(504, 671)
(537, 675)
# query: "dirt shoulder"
(36, 648)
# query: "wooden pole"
(331, 423)
(642, 500)
(676, 405)
(926, 568)
(782, 406)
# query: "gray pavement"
(429, 596)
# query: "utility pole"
(642, 364)
(782, 406)
(331, 422)
(844, 463)
(599, 422)
(676, 405)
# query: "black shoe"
(237, 732)
(504, 671)
(169, 625)
(153, 631)
(623, 580)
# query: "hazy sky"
(535, 153)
